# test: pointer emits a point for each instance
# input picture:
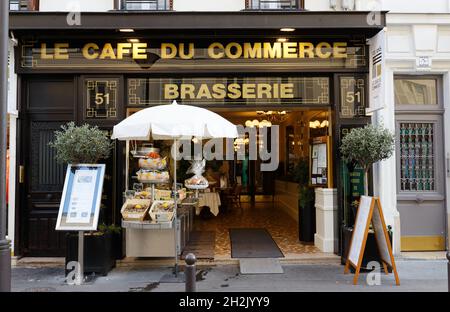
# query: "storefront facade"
(99, 77)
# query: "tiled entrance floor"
(280, 225)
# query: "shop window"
(417, 163)
(415, 91)
(23, 5)
(148, 5)
(274, 4)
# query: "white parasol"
(174, 122)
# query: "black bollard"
(448, 270)
(190, 272)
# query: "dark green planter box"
(370, 252)
(99, 257)
(306, 222)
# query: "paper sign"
(315, 169)
(322, 156)
(80, 201)
(82, 196)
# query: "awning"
(330, 22)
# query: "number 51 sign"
(100, 98)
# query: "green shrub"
(81, 145)
(366, 146)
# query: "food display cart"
(163, 236)
(148, 210)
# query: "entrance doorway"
(266, 199)
(420, 159)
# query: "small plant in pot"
(78, 145)
(365, 147)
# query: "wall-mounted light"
(126, 30)
(287, 29)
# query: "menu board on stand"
(80, 204)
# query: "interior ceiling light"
(256, 123)
(133, 40)
(317, 124)
(282, 39)
(274, 116)
(128, 30)
(287, 29)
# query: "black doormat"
(201, 244)
(253, 243)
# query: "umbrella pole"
(175, 205)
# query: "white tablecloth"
(212, 200)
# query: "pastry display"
(153, 163)
(197, 181)
(162, 210)
(135, 209)
(152, 176)
(167, 194)
(146, 150)
(143, 195)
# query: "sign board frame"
(92, 174)
(377, 69)
(320, 171)
(370, 212)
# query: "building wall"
(393, 6)
(76, 5)
(410, 36)
(208, 5)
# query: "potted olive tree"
(364, 147)
(87, 144)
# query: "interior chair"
(234, 197)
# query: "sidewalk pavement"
(415, 275)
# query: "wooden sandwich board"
(370, 212)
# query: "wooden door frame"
(26, 116)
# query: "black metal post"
(190, 272)
(5, 251)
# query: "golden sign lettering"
(186, 51)
(220, 91)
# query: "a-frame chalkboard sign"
(370, 212)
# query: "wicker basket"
(163, 216)
(129, 213)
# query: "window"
(417, 161)
(273, 4)
(23, 5)
(415, 91)
(150, 5)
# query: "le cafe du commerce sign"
(187, 51)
